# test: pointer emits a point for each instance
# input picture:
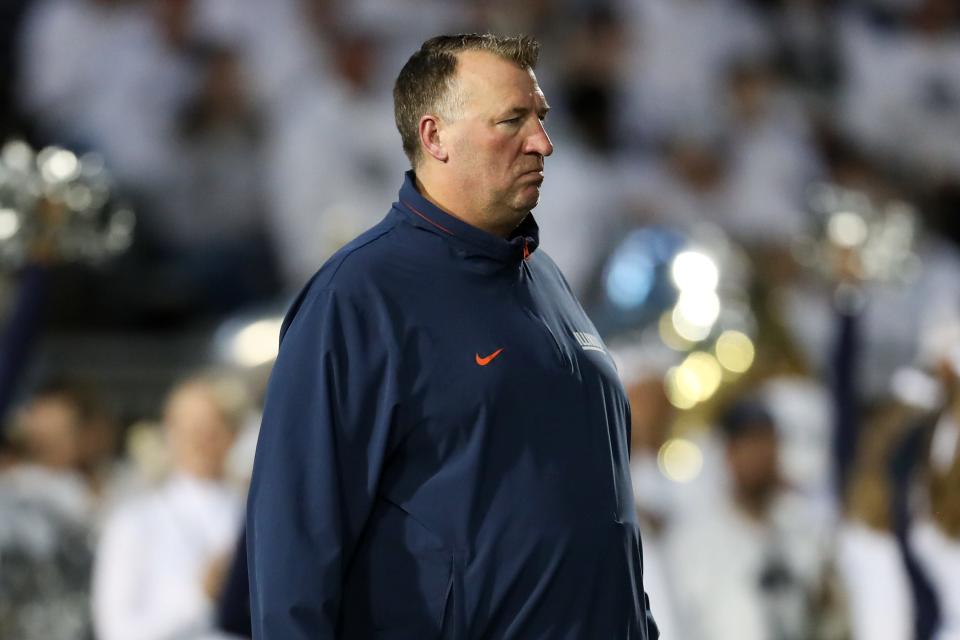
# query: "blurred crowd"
(812, 494)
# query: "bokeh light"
(257, 343)
(682, 388)
(735, 351)
(669, 336)
(693, 381)
(847, 229)
(680, 460)
(695, 313)
(705, 368)
(9, 223)
(694, 271)
(630, 279)
(58, 165)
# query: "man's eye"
(510, 120)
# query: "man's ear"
(430, 138)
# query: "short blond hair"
(228, 392)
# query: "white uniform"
(875, 584)
(735, 577)
(148, 579)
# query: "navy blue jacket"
(444, 450)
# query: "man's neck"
(447, 200)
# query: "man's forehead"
(484, 73)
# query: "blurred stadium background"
(758, 202)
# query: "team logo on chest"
(589, 342)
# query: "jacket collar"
(426, 215)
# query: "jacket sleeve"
(653, 632)
(325, 430)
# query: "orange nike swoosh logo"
(485, 361)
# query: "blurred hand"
(215, 575)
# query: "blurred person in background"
(162, 557)
(66, 49)
(202, 224)
(902, 98)
(936, 535)
(66, 426)
(214, 237)
(926, 468)
(807, 48)
(536, 17)
(332, 157)
(750, 566)
(879, 467)
(48, 513)
(686, 184)
(901, 102)
(678, 51)
(51, 430)
(151, 74)
(871, 569)
(592, 174)
(45, 558)
(745, 172)
(893, 546)
(808, 305)
(661, 501)
(65, 432)
(651, 417)
(158, 88)
(276, 42)
(111, 75)
(772, 158)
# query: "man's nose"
(539, 141)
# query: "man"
(749, 566)
(47, 516)
(162, 556)
(444, 449)
(66, 427)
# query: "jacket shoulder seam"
(329, 284)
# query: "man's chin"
(528, 199)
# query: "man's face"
(754, 462)
(199, 433)
(498, 143)
(52, 431)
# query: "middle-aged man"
(444, 450)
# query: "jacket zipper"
(540, 322)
